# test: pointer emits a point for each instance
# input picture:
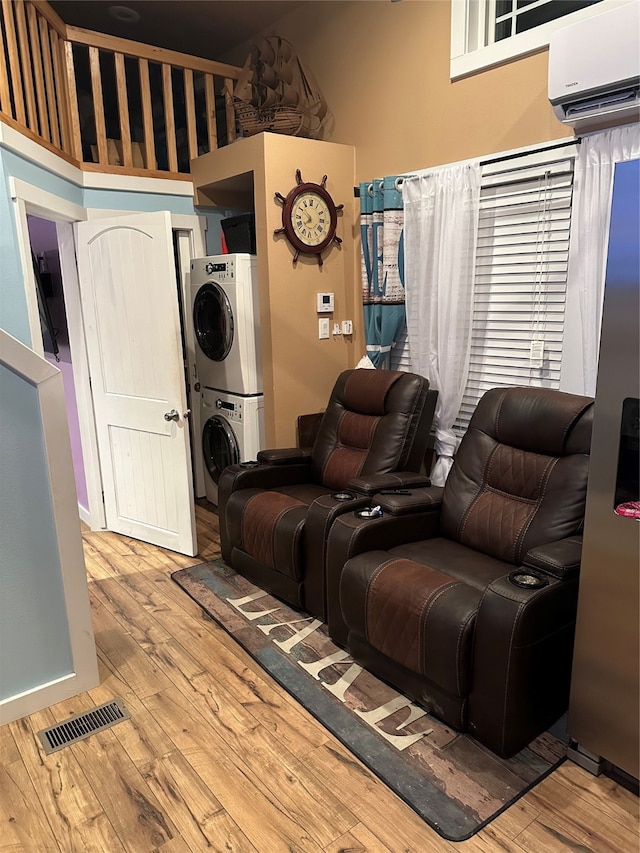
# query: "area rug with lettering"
(455, 784)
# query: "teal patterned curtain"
(381, 228)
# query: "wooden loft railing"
(108, 104)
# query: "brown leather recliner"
(275, 515)
(468, 602)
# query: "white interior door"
(132, 326)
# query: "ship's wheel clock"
(309, 218)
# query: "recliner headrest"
(365, 391)
(540, 420)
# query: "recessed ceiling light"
(124, 14)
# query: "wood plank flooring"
(217, 757)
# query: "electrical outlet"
(347, 327)
(323, 328)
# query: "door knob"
(171, 416)
(187, 414)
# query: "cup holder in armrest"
(343, 496)
(251, 463)
(528, 580)
(369, 512)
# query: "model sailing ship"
(275, 92)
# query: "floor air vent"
(82, 725)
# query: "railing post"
(72, 93)
(147, 115)
(5, 94)
(27, 77)
(62, 94)
(123, 109)
(169, 119)
(50, 88)
(210, 99)
(98, 106)
(230, 112)
(190, 109)
(14, 60)
(38, 71)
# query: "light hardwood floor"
(216, 757)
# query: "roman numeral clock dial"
(309, 218)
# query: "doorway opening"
(45, 253)
(88, 319)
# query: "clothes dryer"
(232, 432)
(226, 323)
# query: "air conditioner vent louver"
(621, 99)
(82, 725)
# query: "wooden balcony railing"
(109, 104)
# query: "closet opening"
(45, 256)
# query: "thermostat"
(325, 303)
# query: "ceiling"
(207, 28)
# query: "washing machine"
(232, 431)
(226, 323)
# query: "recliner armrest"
(369, 485)
(284, 455)
(522, 650)
(559, 559)
(255, 476)
(350, 535)
(261, 476)
(427, 498)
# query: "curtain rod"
(491, 160)
(504, 158)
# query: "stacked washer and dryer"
(226, 325)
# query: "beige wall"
(383, 69)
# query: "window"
(487, 32)
(507, 18)
(521, 275)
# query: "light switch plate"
(323, 328)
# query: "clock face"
(310, 218)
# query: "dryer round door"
(219, 446)
(213, 321)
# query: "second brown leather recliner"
(275, 515)
(465, 598)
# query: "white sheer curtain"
(441, 227)
(593, 187)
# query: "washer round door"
(213, 321)
(219, 446)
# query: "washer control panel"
(220, 270)
(232, 411)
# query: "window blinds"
(399, 356)
(521, 276)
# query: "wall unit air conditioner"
(594, 69)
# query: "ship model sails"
(276, 93)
